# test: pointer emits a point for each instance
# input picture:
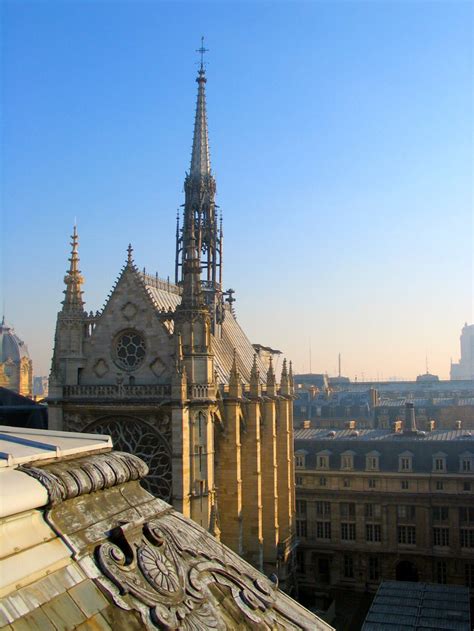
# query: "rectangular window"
(439, 464)
(323, 462)
(300, 561)
(406, 513)
(348, 531)
(347, 462)
(440, 513)
(372, 511)
(466, 486)
(323, 529)
(441, 536)
(346, 483)
(467, 537)
(439, 485)
(441, 572)
(466, 464)
(374, 571)
(466, 514)
(372, 483)
(301, 528)
(322, 481)
(372, 463)
(299, 461)
(405, 464)
(323, 508)
(407, 535)
(298, 480)
(373, 533)
(301, 507)
(469, 574)
(348, 566)
(404, 485)
(347, 509)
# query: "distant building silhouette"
(464, 369)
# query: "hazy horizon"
(341, 140)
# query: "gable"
(128, 326)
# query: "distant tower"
(16, 369)
(464, 369)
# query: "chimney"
(409, 426)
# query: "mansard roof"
(86, 546)
(167, 297)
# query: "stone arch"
(406, 571)
(138, 437)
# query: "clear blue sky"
(342, 143)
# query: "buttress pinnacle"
(73, 279)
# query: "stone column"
(269, 487)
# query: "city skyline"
(364, 196)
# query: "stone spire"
(73, 280)
(271, 381)
(200, 191)
(255, 388)
(200, 159)
(291, 379)
(284, 381)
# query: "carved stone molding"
(180, 580)
(66, 480)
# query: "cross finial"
(202, 51)
(130, 254)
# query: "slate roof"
(168, 296)
(402, 605)
(390, 445)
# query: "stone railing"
(202, 391)
(117, 392)
(160, 283)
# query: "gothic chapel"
(167, 371)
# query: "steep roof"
(167, 297)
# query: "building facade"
(373, 505)
(16, 367)
(166, 369)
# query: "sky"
(341, 138)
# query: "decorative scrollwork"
(142, 440)
(174, 578)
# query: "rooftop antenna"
(202, 52)
(426, 362)
(339, 364)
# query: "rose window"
(130, 350)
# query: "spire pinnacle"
(129, 254)
(271, 381)
(235, 385)
(200, 160)
(73, 279)
(255, 389)
(285, 380)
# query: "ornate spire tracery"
(200, 207)
(73, 279)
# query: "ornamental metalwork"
(129, 350)
(145, 441)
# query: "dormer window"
(439, 462)
(405, 462)
(466, 462)
(347, 460)
(372, 461)
(300, 459)
(322, 459)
